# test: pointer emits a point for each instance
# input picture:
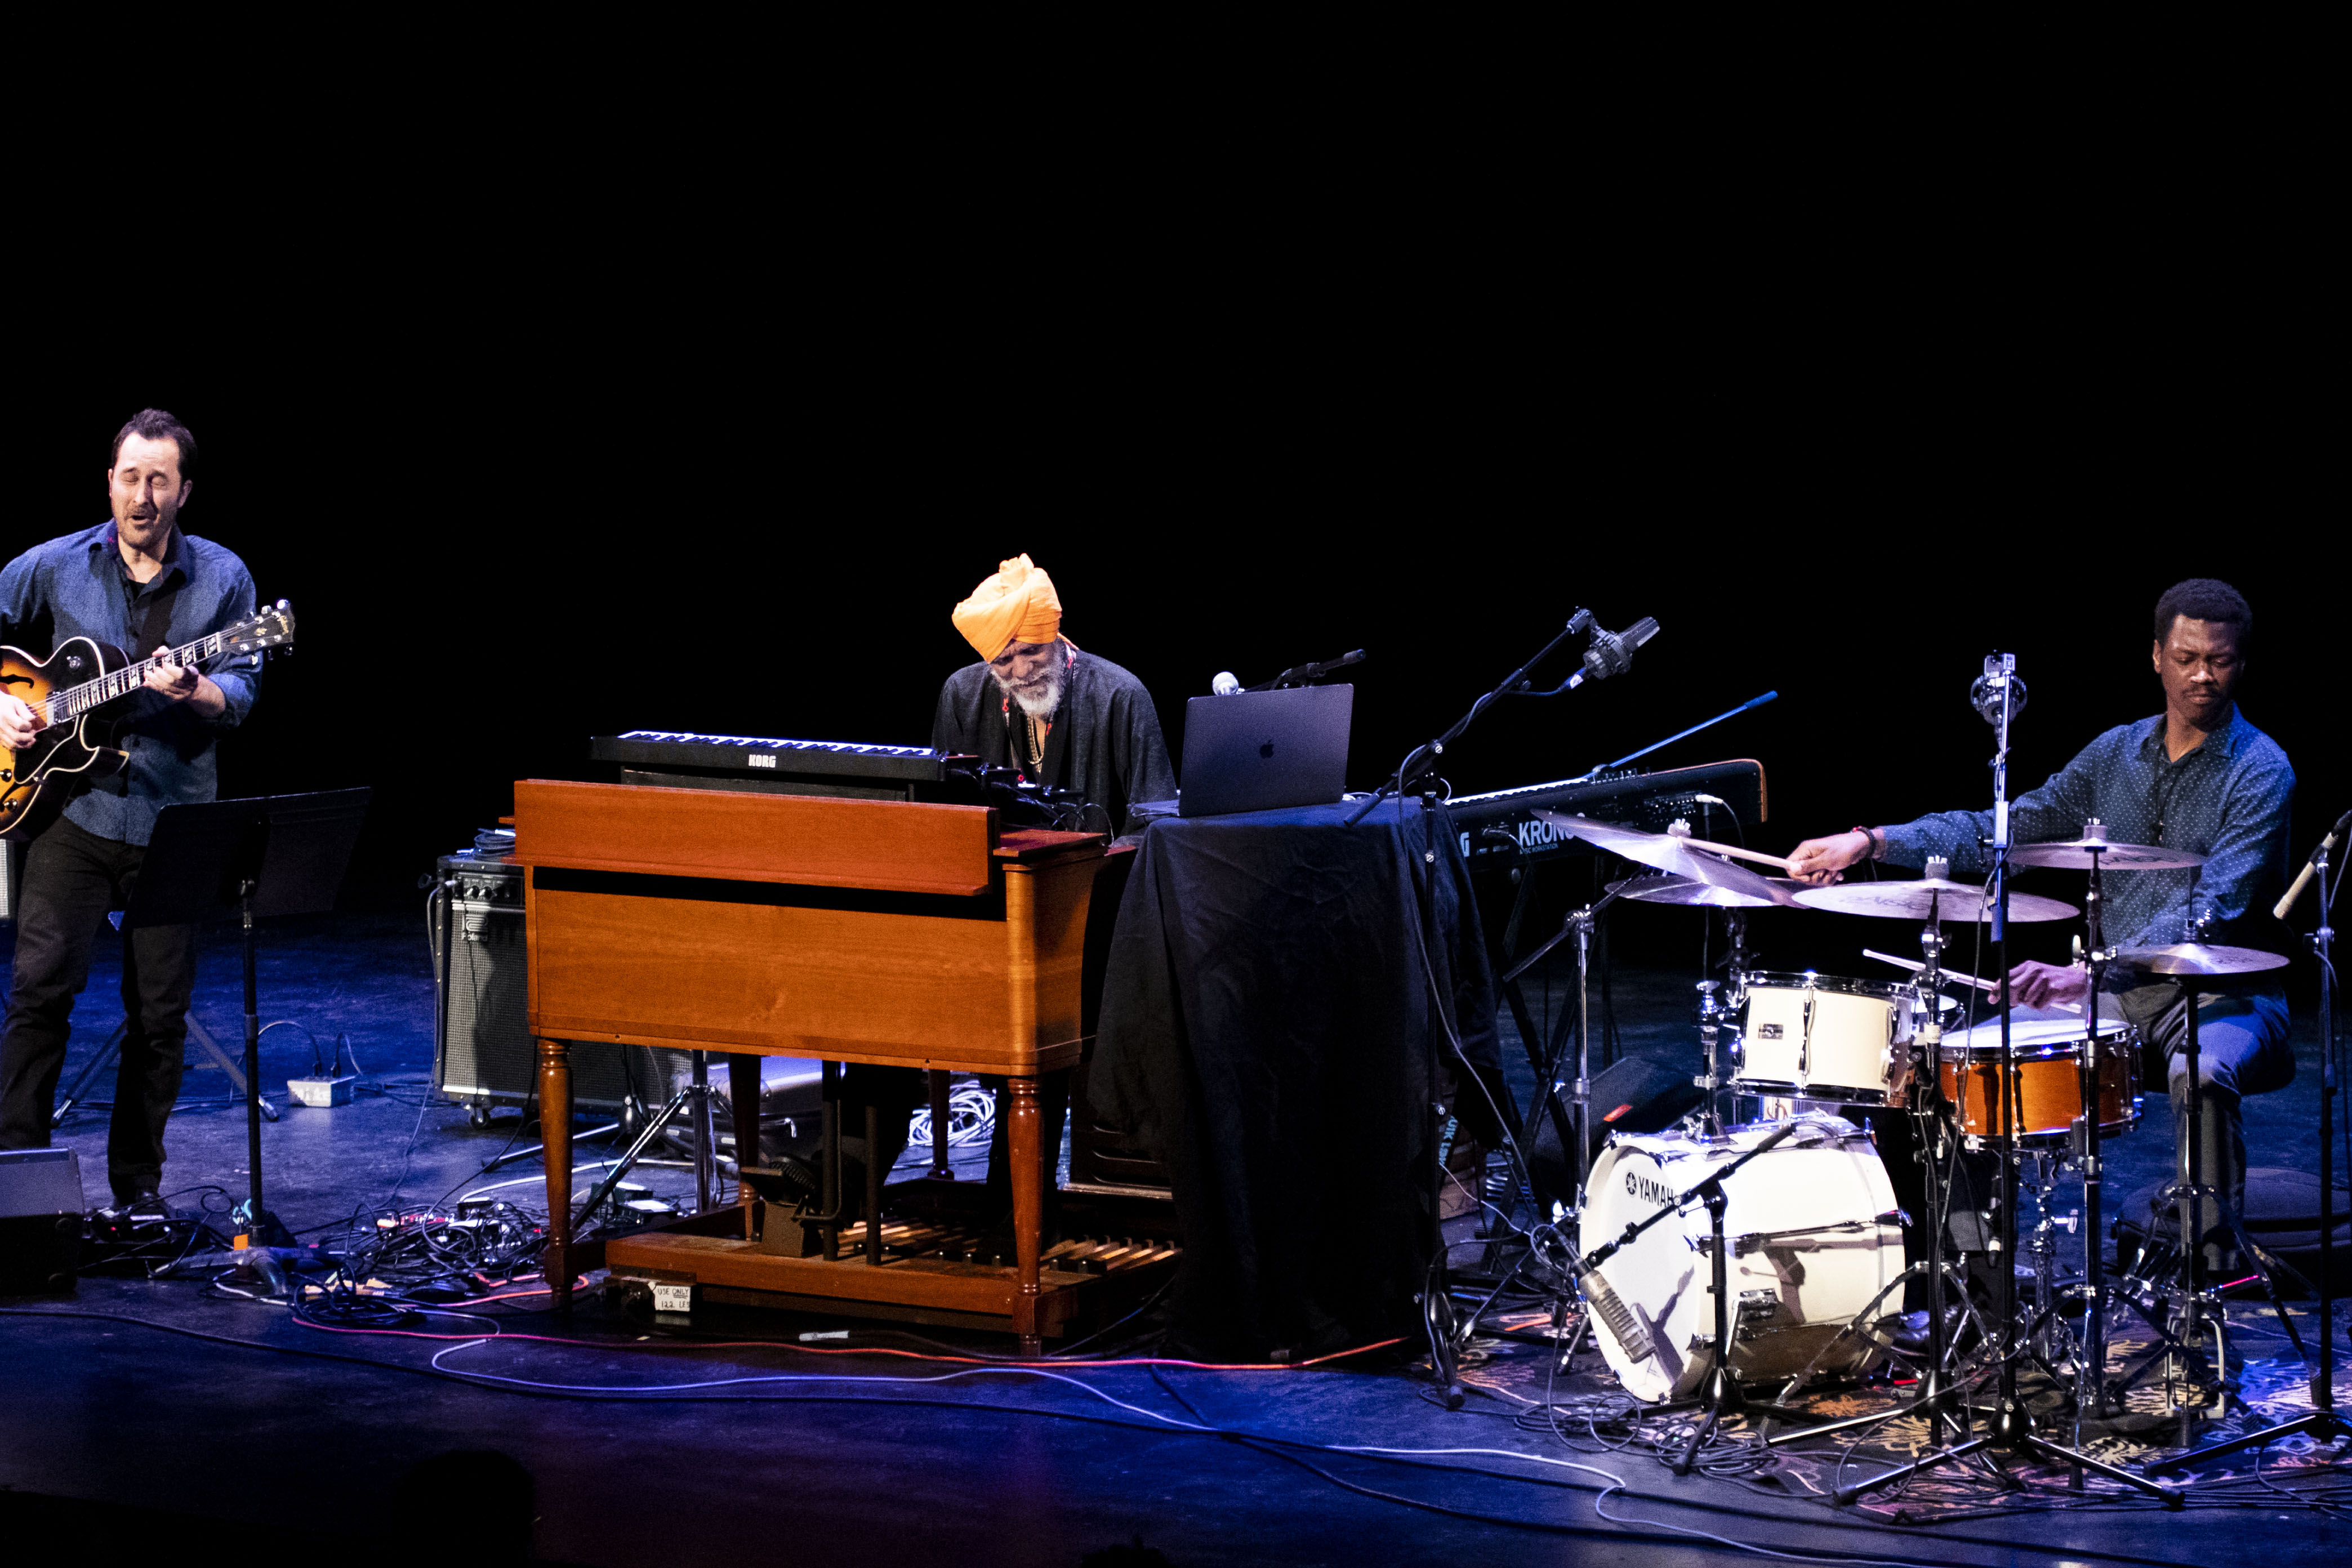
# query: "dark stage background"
(497, 549)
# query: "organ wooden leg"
(1028, 1205)
(743, 1090)
(555, 1133)
(939, 1172)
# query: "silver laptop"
(1261, 751)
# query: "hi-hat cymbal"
(1668, 853)
(1658, 888)
(1959, 902)
(2202, 958)
(2078, 855)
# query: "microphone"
(1999, 681)
(1611, 653)
(1225, 685)
(2310, 867)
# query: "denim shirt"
(75, 586)
(2227, 801)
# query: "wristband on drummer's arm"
(1876, 842)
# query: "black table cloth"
(1266, 1031)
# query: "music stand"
(269, 855)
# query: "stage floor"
(175, 1404)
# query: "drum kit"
(1766, 1247)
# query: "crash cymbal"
(1958, 902)
(1658, 888)
(2077, 853)
(2200, 958)
(1669, 854)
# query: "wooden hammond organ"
(898, 932)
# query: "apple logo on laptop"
(1266, 750)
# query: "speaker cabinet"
(483, 1052)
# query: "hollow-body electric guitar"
(70, 692)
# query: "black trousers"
(72, 878)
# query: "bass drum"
(1815, 1237)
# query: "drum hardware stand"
(1999, 695)
(2323, 1421)
(2092, 1363)
(2197, 1293)
(1579, 926)
(1940, 1398)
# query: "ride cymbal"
(1959, 902)
(2200, 958)
(2079, 854)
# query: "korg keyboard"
(1648, 800)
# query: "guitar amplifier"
(483, 1051)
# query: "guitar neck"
(76, 700)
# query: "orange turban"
(1017, 604)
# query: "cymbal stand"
(2091, 1364)
(1942, 1400)
(2200, 1297)
(2012, 1428)
(1578, 927)
(2323, 1421)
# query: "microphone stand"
(1412, 768)
(1306, 674)
(2012, 1427)
(2324, 1422)
(1437, 1311)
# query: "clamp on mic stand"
(1998, 696)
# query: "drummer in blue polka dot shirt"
(2197, 777)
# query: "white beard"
(1040, 700)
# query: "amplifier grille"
(487, 1051)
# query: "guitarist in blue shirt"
(135, 582)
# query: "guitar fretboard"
(76, 700)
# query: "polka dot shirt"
(2227, 800)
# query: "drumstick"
(1914, 966)
(1779, 860)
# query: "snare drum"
(2046, 1052)
(1814, 1037)
(1815, 1239)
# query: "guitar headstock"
(273, 627)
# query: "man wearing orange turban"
(1038, 706)
(1055, 715)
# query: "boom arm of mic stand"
(1604, 1252)
(1407, 771)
